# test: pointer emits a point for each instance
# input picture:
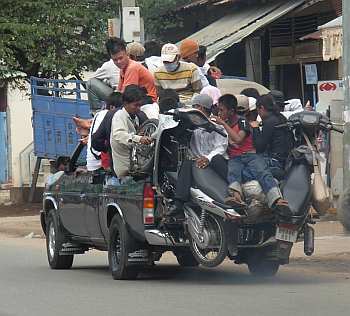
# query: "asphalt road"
(319, 286)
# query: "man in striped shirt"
(178, 75)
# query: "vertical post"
(35, 180)
(314, 96)
(302, 81)
(346, 78)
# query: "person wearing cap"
(132, 72)
(204, 147)
(189, 50)
(178, 75)
(135, 51)
(274, 143)
(278, 97)
(246, 106)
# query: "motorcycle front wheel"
(216, 252)
(145, 153)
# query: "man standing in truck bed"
(176, 74)
(132, 72)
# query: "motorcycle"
(213, 229)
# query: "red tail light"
(148, 204)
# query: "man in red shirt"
(243, 155)
(132, 72)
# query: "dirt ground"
(27, 209)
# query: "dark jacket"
(275, 142)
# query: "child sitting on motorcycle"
(242, 155)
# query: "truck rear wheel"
(120, 242)
(54, 241)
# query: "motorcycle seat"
(296, 189)
(210, 183)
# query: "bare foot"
(83, 123)
(82, 131)
(235, 199)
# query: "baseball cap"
(169, 52)
(188, 47)
(135, 49)
(242, 103)
(203, 100)
(278, 96)
(252, 104)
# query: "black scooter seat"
(210, 183)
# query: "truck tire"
(54, 241)
(263, 268)
(185, 258)
(344, 209)
(120, 242)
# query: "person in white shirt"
(291, 107)
(93, 157)
(124, 130)
(205, 146)
(152, 56)
(104, 81)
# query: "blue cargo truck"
(54, 103)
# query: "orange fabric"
(137, 74)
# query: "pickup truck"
(81, 212)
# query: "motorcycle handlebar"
(338, 130)
(328, 126)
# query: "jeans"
(98, 92)
(258, 169)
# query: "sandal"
(283, 208)
(233, 201)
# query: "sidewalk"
(21, 226)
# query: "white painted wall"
(19, 127)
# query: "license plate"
(286, 234)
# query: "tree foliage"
(50, 38)
(53, 37)
(159, 16)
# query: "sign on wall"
(311, 74)
(327, 91)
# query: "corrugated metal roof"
(199, 3)
(233, 28)
(338, 22)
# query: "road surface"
(317, 286)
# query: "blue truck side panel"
(54, 129)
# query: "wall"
(19, 128)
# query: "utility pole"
(344, 206)
(346, 76)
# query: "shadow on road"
(223, 275)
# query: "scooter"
(213, 229)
